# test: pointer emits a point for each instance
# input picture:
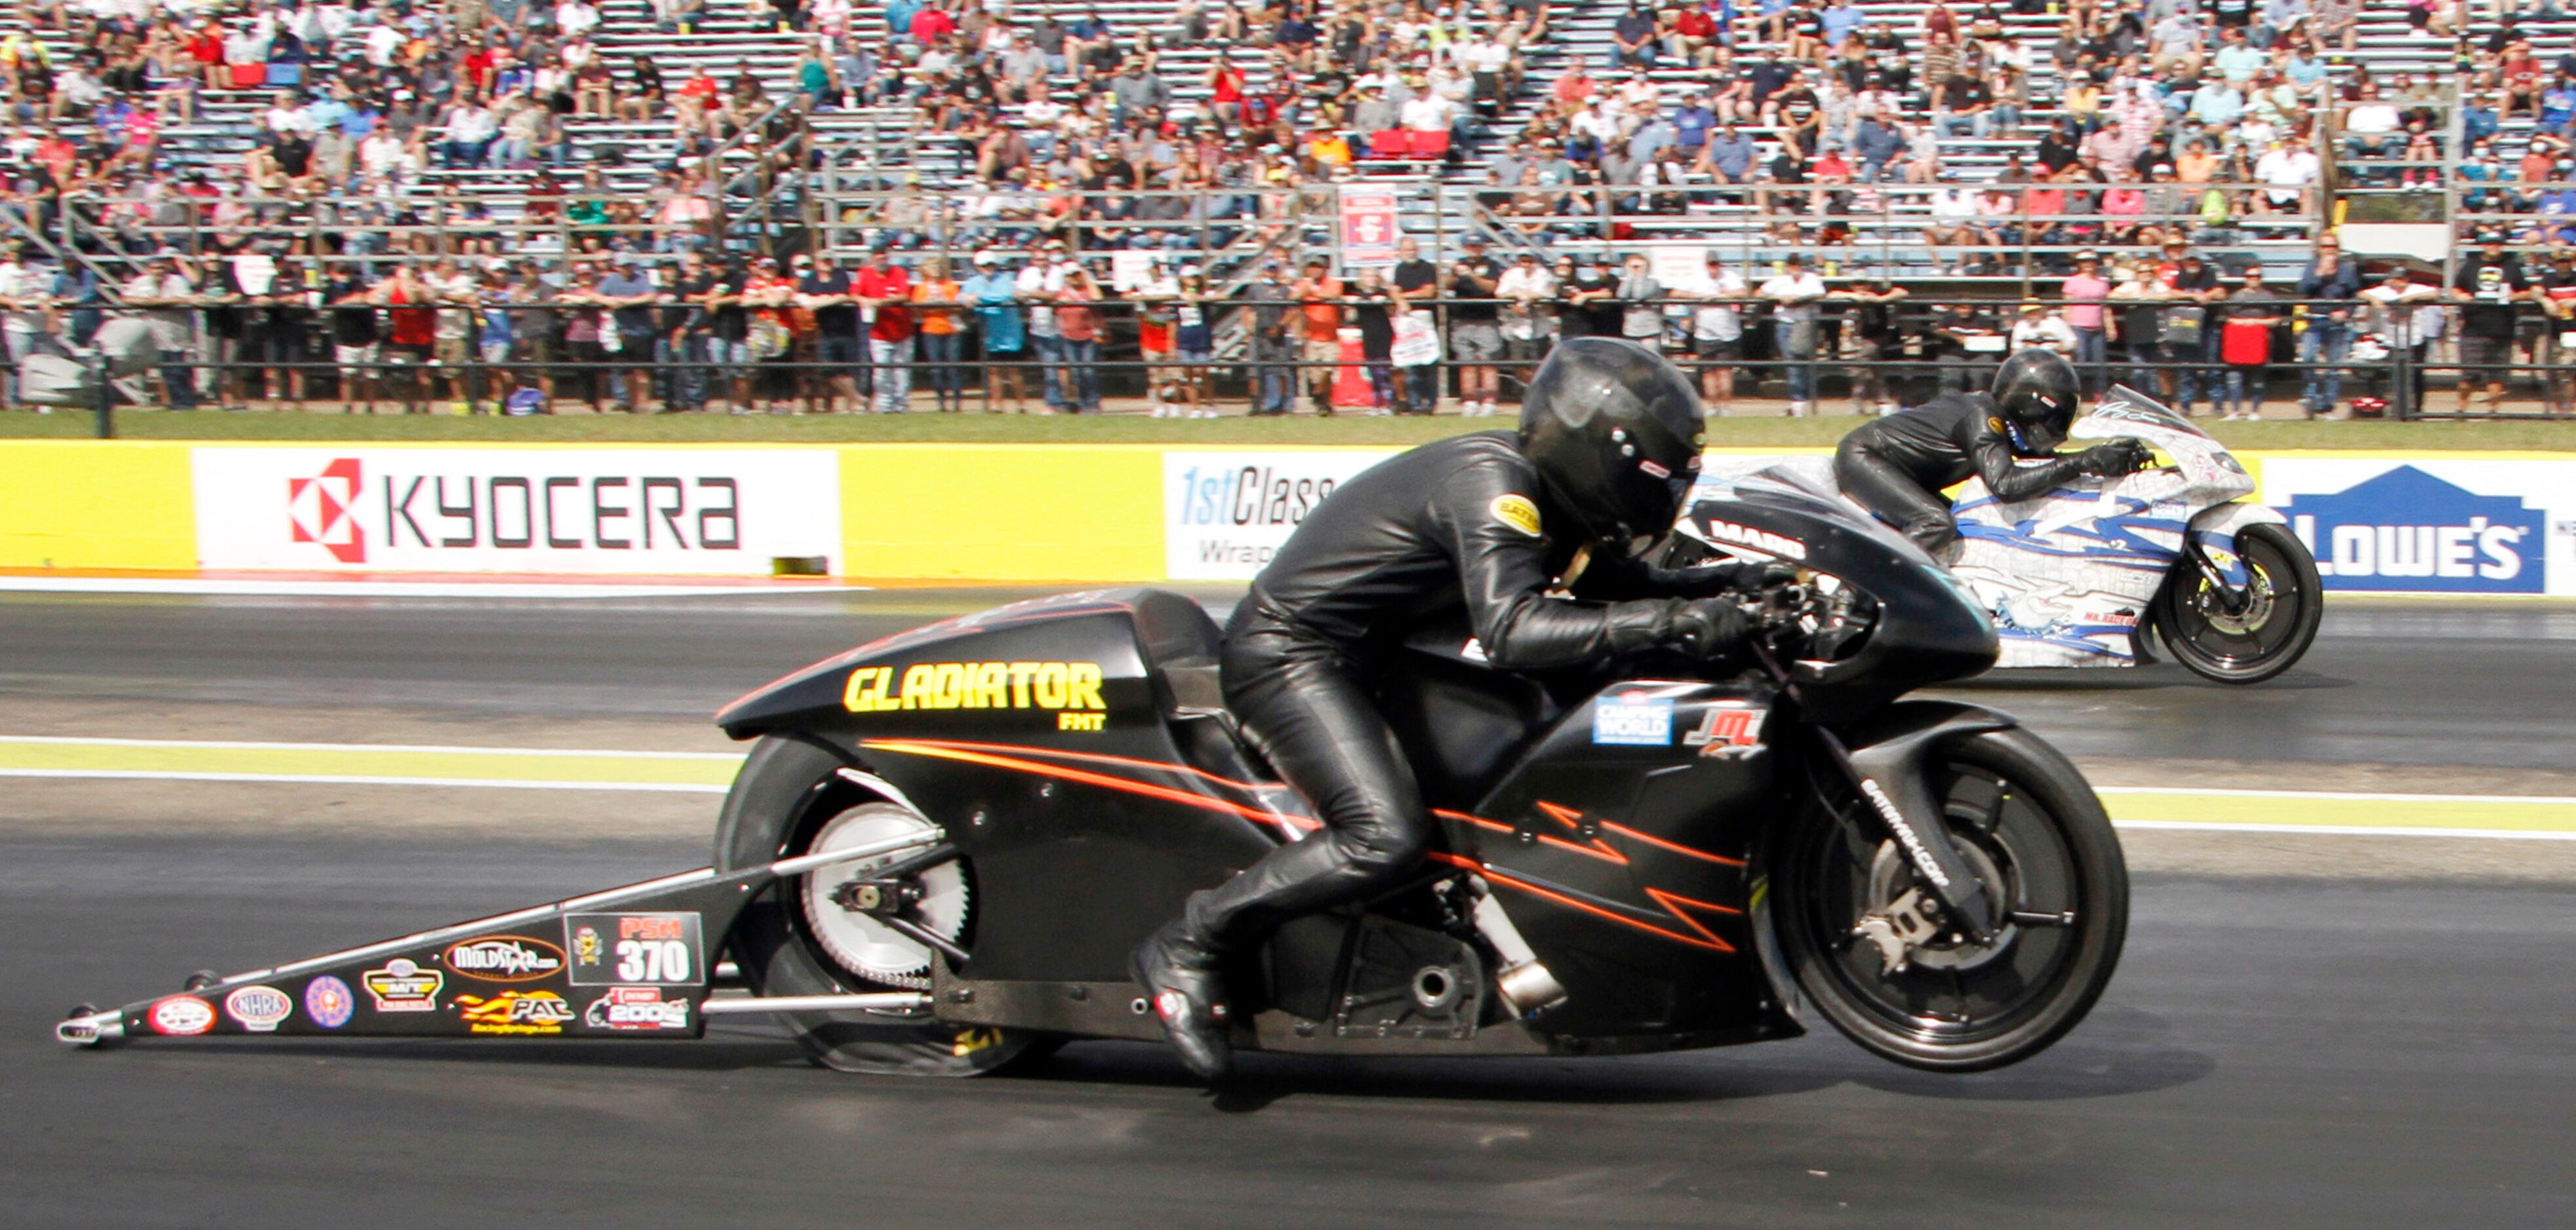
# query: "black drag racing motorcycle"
(944, 844)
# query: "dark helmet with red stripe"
(1615, 431)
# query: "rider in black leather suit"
(1487, 524)
(1897, 466)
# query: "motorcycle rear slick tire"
(2197, 637)
(782, 796)
(2055, 819)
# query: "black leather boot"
(1179, 972)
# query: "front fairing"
(1912, 624)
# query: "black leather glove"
(1757, 578)
(1704, 628)
(2112, 460)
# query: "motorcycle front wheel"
(2283, 602)
(2032, 830)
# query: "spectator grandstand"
(1390, 206)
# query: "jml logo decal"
(2406, 531)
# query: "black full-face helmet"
(1615, 431)
(2035, 393)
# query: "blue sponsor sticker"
(1633, 721)
(2409, 532)
(329, 1002)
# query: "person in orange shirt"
(943, 332)
(1321, 294)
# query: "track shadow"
(2115, 1051)
(2133, 679)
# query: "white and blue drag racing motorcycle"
(2081, 575)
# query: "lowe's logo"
(2406, 531)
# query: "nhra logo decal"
(503, 958)
(182, 1016)
(514, 1012)
(259, 1009)
(1633, 720)
(1751, 539)
(329, 1002)
(1728, 730)
(636, 1009)
(2408, 531)
(401, 986)
(319, 510)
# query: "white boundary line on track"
(394, 589)
(335, 779)
(438, 749)
(2346, 830)
(2342, 796)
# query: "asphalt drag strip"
(2274, 1053)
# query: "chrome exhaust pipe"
(1523, 983)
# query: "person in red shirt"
(884, 292)
(931, 25)
(414, 335)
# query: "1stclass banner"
(1226, 513)
(705, 512)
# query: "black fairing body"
(1925, 630)
(1618, 821)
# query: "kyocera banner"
(2431, 525)
(643, 511)
(1225, 514)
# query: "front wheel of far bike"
(2274, 620)
(2031, 829)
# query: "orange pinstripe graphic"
(1704, 939)
(1097, 758)
(1595, 850)
(1625, 831)
(1166, 793)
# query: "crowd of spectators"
(2069, 144)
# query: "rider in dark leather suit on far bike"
(1897, 466)
(1486, 523)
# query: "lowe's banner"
(2431, 524)
(701, 512)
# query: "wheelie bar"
(631, 962)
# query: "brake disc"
(1896, 924)
(861, 944)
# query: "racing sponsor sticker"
(630, 949)
(182, 1016)
(259, 1009)
(1633, 719)
(636, 1010)
(1068, 688)
(503, 958)
(1517, 512)
(402, 986)
(1728, 533)
(514, 1012)
(1728, 729)
(329, 1002)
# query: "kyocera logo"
(322, 509)
(2408, 531)
(339, 510)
